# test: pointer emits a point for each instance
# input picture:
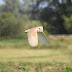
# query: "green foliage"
(34, 67)
(68, 24)
(15, 17)
(24, 67)
(12, 6)
(67, 68)
(51, 16)
(13, 27)
(10, 26)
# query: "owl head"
(39, 29)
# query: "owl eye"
(39, 28)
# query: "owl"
(35, 34)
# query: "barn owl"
(35, 34)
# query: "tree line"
(55, 16)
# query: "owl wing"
(32, 38)
(42, 37)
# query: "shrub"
(10, 26)
(68, 24)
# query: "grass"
(23, 43)
(17, 56)
(38, 60)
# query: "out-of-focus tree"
(10, 25)
(12, 6)
(51, 12)
(68, 24)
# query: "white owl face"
(39, 29)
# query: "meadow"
(16, 55)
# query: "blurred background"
(16, 16)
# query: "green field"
(17, 56)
